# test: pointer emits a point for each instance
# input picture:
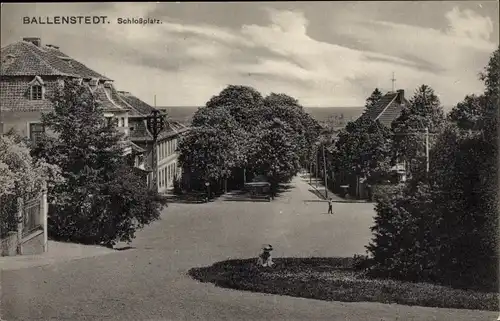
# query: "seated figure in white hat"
(265, 258)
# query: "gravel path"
(149, 282)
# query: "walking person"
(330, 206)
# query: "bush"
(362, 262)
(102, 199)
(385, 191)
(334, 279)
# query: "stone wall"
(8, 245)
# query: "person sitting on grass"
(265, 259)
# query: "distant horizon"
(190, 106)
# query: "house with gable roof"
(385, 111)
(166, 146)
(30, 72)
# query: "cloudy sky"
(325, 54)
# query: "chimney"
(34, 40)
(401, 96)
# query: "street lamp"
(156, 123)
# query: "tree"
(363, 149)
(103, 199)
(432, 231)
(242, 103)
(469, 114)
(305, 130)
(373, 99)
(274, 152)
(231, 136)
(424, 111)
(20, 176)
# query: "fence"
(32, 214)
(26, 216)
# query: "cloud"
(468, 24)
(186, 63)
(448, 60)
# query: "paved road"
(150, 282)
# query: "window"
(36, 92)
(36, 88)
(36, 130)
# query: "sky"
(325, 54)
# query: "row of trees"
(442, 227)
(95, 195)
(240, 134)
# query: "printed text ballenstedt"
(63, 20)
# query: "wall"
(19, 120)
(8, 245)
(33, 244)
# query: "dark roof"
(109, 99)
(138, 106)
(136, 148)
(27, 59)
(387, 109)
(172, 128)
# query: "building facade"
(30, 72)
(166, 145)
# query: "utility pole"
(310, 171)
(393, 82)
(324, 168)
(317, 168)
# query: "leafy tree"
(242, 102)
(231, 134)
(469, 114)
(305, 128)
(452, 220)
(424, 110)
(363, 149)
(373, 99)
(102, 199)
(20, 176)
(273, 153)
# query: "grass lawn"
(334, 279)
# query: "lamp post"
(156, 122)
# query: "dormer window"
(36, 92)
(36, 88)
(93, 82)
(78, 81)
